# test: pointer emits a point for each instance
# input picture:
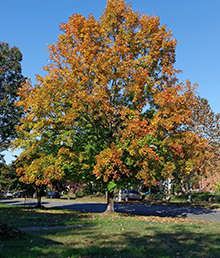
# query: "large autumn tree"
(111, 109)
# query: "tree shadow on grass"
(161, 211)
(30, 217)
(91, 242)
(178, 244)
(175, 242)
(32, 243)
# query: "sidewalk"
(53, 227)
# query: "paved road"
(144, 210)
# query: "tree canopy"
(208, 123)
(7, 177)
(110, 109)
(11, 79)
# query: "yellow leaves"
(109, 163)
(169, 168)
(64, 151)
(39, 169)
(114, 75)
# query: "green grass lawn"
(110, 235)
(101, 198)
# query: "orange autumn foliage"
(112, 98)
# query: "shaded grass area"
(29, 216)
(114, 235)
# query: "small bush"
(156, 196)
(200, 197)
(217, 187)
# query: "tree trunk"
(110, 202)
(189, 189)
(119, 196)
(38, 198)
(202, 184)
(38, 202)
(68, 197)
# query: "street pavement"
(142, 210)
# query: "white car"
(8, 194)
(129, 195)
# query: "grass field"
(107, 235)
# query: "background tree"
(7, 177)
(112, 102)
(208, 123)
(67, 187)
(206, 127)
(37, 169)
(11, 79)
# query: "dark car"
(18, 195)
(53, 195)
(129, 195)
(30, 195)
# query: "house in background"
(207, 184)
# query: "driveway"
(142, 210)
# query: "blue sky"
(32, 24)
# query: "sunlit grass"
(110, 235)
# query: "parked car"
(29, 195)
(53, 195)
(129, 195)
(18, 194)
(8, 194)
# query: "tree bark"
(110, 202)
(38, 198)
(119, 196)
(68, 197)
(38, 202)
